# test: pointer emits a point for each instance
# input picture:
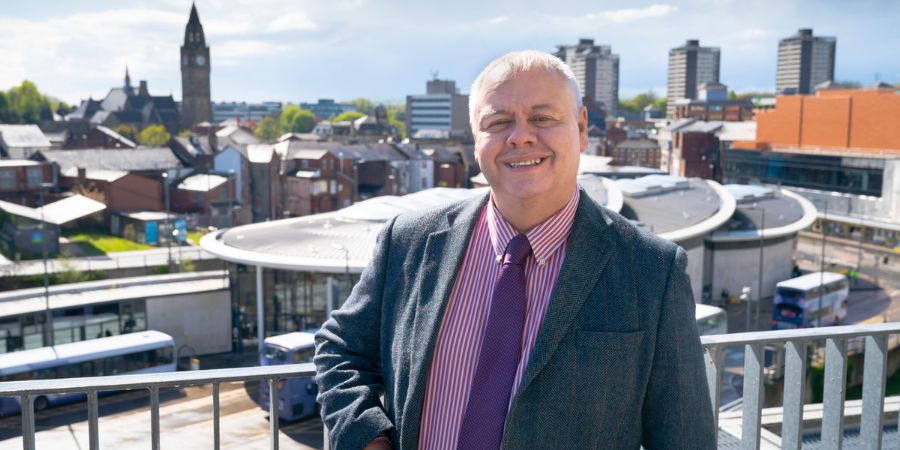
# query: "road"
(185, 422)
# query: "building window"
(7, 179)
(35, 177)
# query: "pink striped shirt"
(459, 339)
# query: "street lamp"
(165, 180)
(745, 297)
(48, 324)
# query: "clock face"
(201, 60)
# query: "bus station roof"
(764, 212)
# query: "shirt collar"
(544, 238)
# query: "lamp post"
(341, 248)
(822, 264)
(48, 324)
(165, 180)
(759, 287)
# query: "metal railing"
(27, 391)
(796, 343)
(836, 351)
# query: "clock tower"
(196, 106)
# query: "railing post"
(154, 417)
(753, 396)
(794, 376)
(215, 395)
(27, 403)
(833, 398)
(93, 420)
(714, 357)
(874, 376)
(274, 411)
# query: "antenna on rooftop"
(434, 75)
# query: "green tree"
(637, 103)
(185, 133)
(392, 111)
(154, 136)
(295, 119)
(268, 129)
(362, 105)
(26, 101)
(348, 116)
(661, 104)
(125, 130)
(7, 115)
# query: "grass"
(194, 236)
(93, 242)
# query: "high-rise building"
(196, 106)
(690, 66)
(804, 61)
(442, 111)
(597, 70)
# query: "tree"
(27, 101)
(392, 111)
(637, 103)
(268, 129)
(125, 130)
(362, 105)
(154, 136)
(295, 119)
(661, 104)
(7, 115)
(347, 116)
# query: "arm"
(348, 355)
(677, 412)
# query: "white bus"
(296, 396)
(142, 352)
(810, 300)
(710, 319)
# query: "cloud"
(498, 20)
(632, 14)
(233, 52)
(753, 34)
(292, 21)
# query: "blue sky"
(301, 50)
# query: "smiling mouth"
(529, 163)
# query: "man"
(527, 318)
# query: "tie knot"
(517, 250)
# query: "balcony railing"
(875, 337)
(796, 342)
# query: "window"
(304, 355)
(35, 177)
(164, 356)
(7, 179)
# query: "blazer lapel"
(444, 251)
(587, 253)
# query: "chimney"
(142, 91)
(82, 175)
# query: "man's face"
(528, 137)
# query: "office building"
(441, 109)
(223, 111)
(804, 61)
(689, 67)
(597, 70)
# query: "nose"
(521, 135)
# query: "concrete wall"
(695, 250)
(207, 315)
(734, 268)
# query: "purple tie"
(501, 346)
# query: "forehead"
(524, 90)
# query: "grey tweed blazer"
(617, 363)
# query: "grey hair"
(511, 64)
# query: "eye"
(542, 120)
(497, 124)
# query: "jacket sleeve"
(348, 355)
(677, 413)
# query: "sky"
(302, 50)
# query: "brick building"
(636, 152)
(21, 180)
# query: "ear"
(582, 129)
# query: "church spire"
(127, 81)
(193, 32)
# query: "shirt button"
(542, 262)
